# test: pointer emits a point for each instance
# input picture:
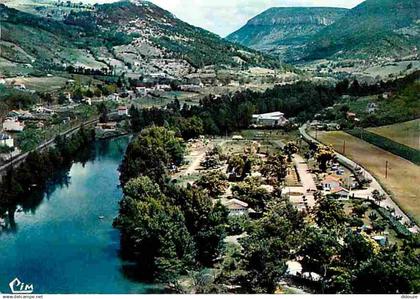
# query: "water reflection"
(56, 240)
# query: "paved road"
(388, 202)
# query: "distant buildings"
(106, 127)
(19, 86)
(13, 125)
(237, 137)
(6, 140)
(122, 111)
(114, 97)
(371, 108)
(273, 119)
(191, 87)
(164, 87)
(141, 91)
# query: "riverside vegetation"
(171, 232)
(33, 174)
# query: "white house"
(273, 119)
(294, 268)
(330, 183)
(114, 97)
(340, 192)
(191, 87)
(122, 111)
(19, 86)
(13, 125)
(237, 207)
(141, 91)
(165, 87)
(371, 108)
(6, 140)
(381, 240)
(237, 137)
(42, 109)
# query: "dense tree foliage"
(251, 192)
(153, 232)
(214, 182)
(268, 246)
(166, 230)
(205, 221)
(39, 167)
(151, 154)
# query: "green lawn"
(407, 133)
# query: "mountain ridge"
(372, 29)
(281, 29)
(133, 36)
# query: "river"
(65, 243)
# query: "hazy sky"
(225, 16)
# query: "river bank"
(73, 246)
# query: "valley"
(159, 157)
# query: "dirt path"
(197, 153)
(306, 179)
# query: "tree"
(359, 209)
(323, 155)
(378, 197)
(151, 153)
(251, 192)
(319, 247)
(236, 164)
(359, 247)
(268, 246)
(135, 119)
(387, 273)
(103, 111)
(153, 232)
(190, 127)
(215, 182)
(62, 98)
(275, 167)
(329, 213)
(290, 149)
(204, 220)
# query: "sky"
(226, 16)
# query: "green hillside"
(114, 35)
(373, 28)
(283, 29)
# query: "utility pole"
(386, 169)
(344, 148)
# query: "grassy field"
(403, 176)
(42, 84)
(407, 133)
